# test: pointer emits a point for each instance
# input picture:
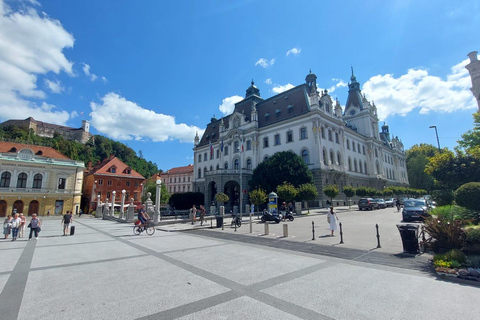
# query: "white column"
(122, 211)
(112, 211)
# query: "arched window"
(211, 169)
(360, 166)
(265, 158)
(325, 160)
(37, 181)
(332, 158)
(305, 156)
(236, 147)
(218, 166)
(236, 164)
(226, 165)
(5, 180)
(349, 164)
(339, 158)
(249, 164)
(199, 173)
(33, 207)
(355, 165)
(22, 180)
(204, 171)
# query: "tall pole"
(122, 211)
(113, 203)
(157, 216)
(436, 134)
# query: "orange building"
(108, 176)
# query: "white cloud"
(268, 81)
(340, 83)
(54, 86)
(30, 45)
(105, 80)
(418, 89)
(228, 104)
(262, 62)
(279, 89)
(86, 69)
(294, 51)
(118, 118)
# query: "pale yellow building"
(36, 179)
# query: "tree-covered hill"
(95, 150)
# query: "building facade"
(179, 179)
(40, 180)
(474, 69)
(108, 178)
(342, 147)
(45, 129)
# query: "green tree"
(307, 192)
(467, 196)
(331, 191)
(471, 139)
(349, 192)
(221, 198)
(282, 166)
(417, 158)
(286, 191)
(361, 191)
(387, 192)
(258, 197)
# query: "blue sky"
(152, 73)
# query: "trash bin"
(219, 221)
(409, 234)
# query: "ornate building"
(474, 69)
(44, 129)
(179, 179)
(342, 147)
(36, 179)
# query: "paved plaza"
(105, 272)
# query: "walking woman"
(34, 226)
(332, 221)
(194, 213)
(15, 226)
(202, 214)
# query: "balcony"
(228, 171)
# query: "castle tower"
(86, 125)
(474, 69)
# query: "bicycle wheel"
(150, 230)
(239, 222)
(136, 230)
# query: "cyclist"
(143, 217)
(397, 203)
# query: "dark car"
(381, 203)
(367, 204)
(414, 210)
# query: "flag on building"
(221, 146)
(242, 146)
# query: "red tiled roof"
(105, 165)
(184, 169)
(47, 152)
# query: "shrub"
(474, 261)
(445, 233)
(467, 196)
(456, 255)
(443, 197)
(473, 236)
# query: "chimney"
(473, 56)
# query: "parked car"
(402, 201)
(381, 203)
(367, 204)
(390, 202)
(414, 210)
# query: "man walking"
(66, 220)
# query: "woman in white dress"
(332, 220)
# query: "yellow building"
(36, 179)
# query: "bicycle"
(149, 228)
(236, 220)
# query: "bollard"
(378, 237)
(235, 223)
(341, 233)
(285, 230)
(266, 228)
(211, 222)
(313, 230)
(222, 213)
(251, 223)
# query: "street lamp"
(113, 203)
(158, 214)
(436, 134)
(122, 211)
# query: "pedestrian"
(194, 213)
(15, 226)
(21, 230)
(332, 221)
(34, 226)
(202, 214)
(48, 213)
(7, 226)
(66, 220)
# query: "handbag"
(29, 225)
(39, 229)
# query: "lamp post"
(158, 216)
(113, 203)
(436, 134)
(122, 211)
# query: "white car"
(390, 202)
